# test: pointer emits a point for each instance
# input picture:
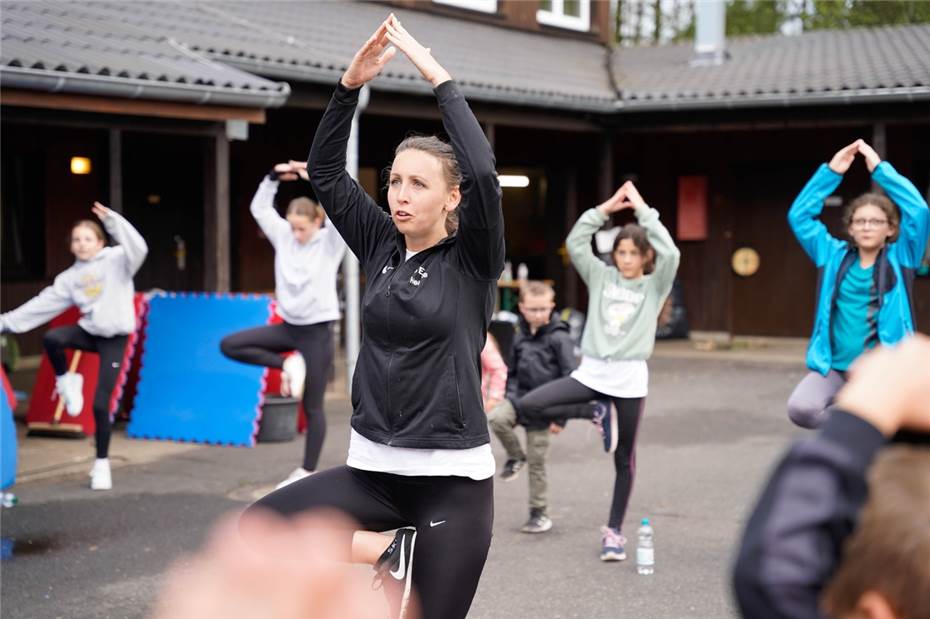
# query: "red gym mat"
(46, 410)
(272, 379)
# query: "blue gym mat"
(188, 391)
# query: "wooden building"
(182, 108)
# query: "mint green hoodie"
(622, 313)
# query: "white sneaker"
(100, 477)
(70, 388)
(296, 475)
(293, 375)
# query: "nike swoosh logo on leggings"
(402, 570)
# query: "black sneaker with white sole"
(512, 469)
(539, 522)
(395, 565)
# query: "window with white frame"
(485, 6)
(571, 14)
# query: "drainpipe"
(710, 33)
(350, 277)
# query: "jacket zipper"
(392, 418)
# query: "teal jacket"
(894, 267)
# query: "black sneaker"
(395, 565)
(512, 469)
(539, 522)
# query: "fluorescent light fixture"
(80, 165)
(511, 180)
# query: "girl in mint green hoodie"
(623, 308)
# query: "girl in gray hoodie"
(100, 284)
(308, 253)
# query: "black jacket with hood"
(538, 358)
(424, 320)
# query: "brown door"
(163, 193)
(779, 299)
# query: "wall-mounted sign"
(692, 208)
(745, 261)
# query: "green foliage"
(663, 21)
(855, 13)
(754, 17)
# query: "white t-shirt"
(624, 378)
(475, 463)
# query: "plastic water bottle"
(523, 272)
(507, 274)
(645, 549)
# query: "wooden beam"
(130, 107)
(644, 126)
(116, 170)
(880, 144)
(80, 120)
(386, 105)
(606, 167)
(570, 188)
(420, 107)
(216, 251)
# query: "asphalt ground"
(714, 426)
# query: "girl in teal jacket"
(864, 295)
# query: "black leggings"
(453, 517)
(111, 351)
(544, 402)
(264, 345)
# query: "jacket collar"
(401, 244)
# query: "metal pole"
(350, 263)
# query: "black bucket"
(279, 420)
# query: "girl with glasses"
(863, 298)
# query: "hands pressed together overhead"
(381, 47)
(845, 156)
(627, 196)
(292, 170)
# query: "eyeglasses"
(870, 223)
(536, 310)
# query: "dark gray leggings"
(111, 351)
(264, 345)
(812, 400)
(547, 401)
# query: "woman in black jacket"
(419, 453)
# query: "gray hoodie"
(304, 274)
(101, 288)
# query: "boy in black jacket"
(807, 530)
(542, 351)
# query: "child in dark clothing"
(542, 351)
(808, 552)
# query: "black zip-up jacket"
(537, 358)
(424, 321)
(793, 541)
